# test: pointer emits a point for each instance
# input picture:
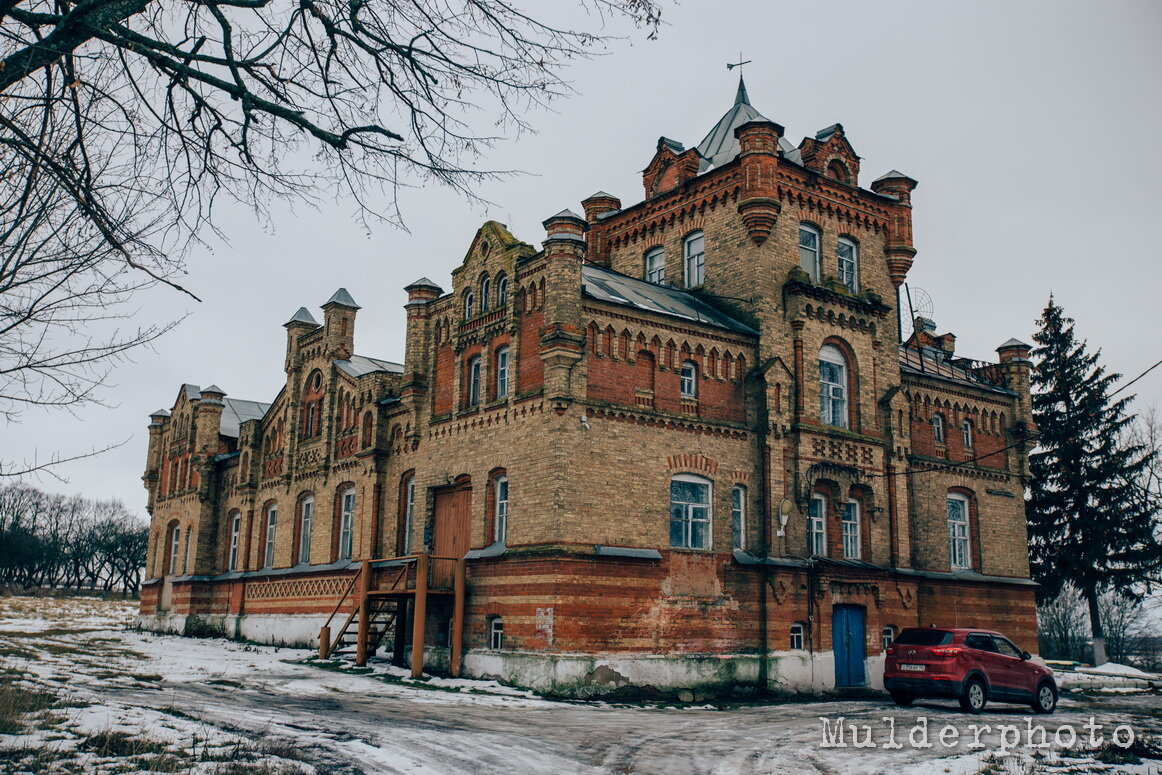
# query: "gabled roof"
(720, 146)
(358, 365)
(236, 412)
(606, 285)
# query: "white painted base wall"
(689, 677)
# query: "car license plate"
(913, 668)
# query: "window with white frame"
(848, 255)
(850, 525)
(816, 534)
(469, 304)
(409, 506)
(485, 290)
(690, 512)
(938, 428)
(500, 510)
(271, 527)
(656, 265)
(688, 384)
(306, 518)
(346, 522)
(501, 290)
(496, 633)
(502, 372)
(694, 254)
(235, 536)
(832, 386)
(809, 239)
(888, 636)
(958, 555)
(474, 380)
(738, 517)
(186, 557)
(798, 631)
(966, 432)
(175, 546)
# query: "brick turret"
(561, 337)
(898, 250)
(339, 325)
(758, 153)
(421, 294)
(301, 324)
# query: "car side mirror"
(1026, 656)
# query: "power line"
(1135, 379)
(950, 465)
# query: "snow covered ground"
(140, 702)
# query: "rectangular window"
(958, 533)
(694, 248)
(308, 517)
(832, 394)
(175, 546)
(501, 515)
(738, 517)
(851, 530)
(474, 381)
(796, 637)
(656, 266)
(689, 514)
(235, 534)
(346, 524)
(809, 252)
(502, 372)
(847, 264)
(816, 538)
(271, 524)
(496, 633)
(409, 510)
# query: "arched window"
(938, 428)
(346, 522)
(958, 544)
(469, 304)
(888, 636)
(175, 547)
(966, 432)
(496, 633)
(502, 372)
(688, 385)
(500, 509)
(313, 406)
(838, 171)
(850, 524)
(306, 518)
(656, 265)
(798, 641)
(832, 387)
(690, 512)
(473, 392)
(809, 239)
(409, 509)
(368, 429)
(694, 258)
(848, 255)
(271, 527)
(816, 534)
(485, 289)
(235, 537)
(738, 517)
(501, 289)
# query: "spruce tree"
(1091, 523)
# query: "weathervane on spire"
(739, 63)
(741, 98)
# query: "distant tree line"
(69, 542)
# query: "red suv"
(974, 666)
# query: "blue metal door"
(847, 643)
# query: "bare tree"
(123, 122)
(1062, 625)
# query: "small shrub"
(16, 701)
(120, 744)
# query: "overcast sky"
(1029, 126)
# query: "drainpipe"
(890, 431)
(764, 426)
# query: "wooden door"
(451, 536)
(847, 639)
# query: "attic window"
(485, 247)
(838, 170)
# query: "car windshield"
(924, 638)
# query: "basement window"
(797, 639)
(496, 633)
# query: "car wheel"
(974, 697)
(1045, 699)
(901, 699)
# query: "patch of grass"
(149, 677)
(165, 762)
(176, 713)
(121, 745)
(15, 652)
(16, 702)
(225, 682)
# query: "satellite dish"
(916, 304)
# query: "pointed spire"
(302, 316)
(343, 299)
(741, 97)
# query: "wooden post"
(420, 616)
(401, 627)
(364, 613)
(458, 616)
(324, 643)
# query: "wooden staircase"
(378, 595)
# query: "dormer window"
(656, 266)
(694, 253)
(809, 239)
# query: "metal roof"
(606, 285)
(720, 146)
(236, 412)
(931, 362)
(358, 365)
(1014, 343)
(342, 297)
(302, 316)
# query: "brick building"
(680, 446)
